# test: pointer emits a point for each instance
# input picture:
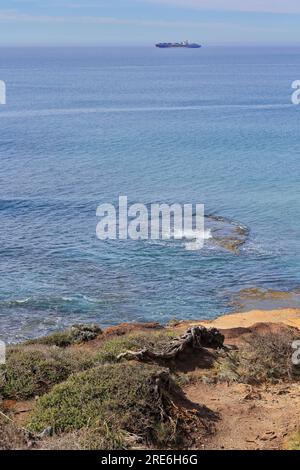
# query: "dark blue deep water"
(82, 126)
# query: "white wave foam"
(92, 300)
(194, 246)
(22, 301)
(193, 234)
(16, 301)
(73, 111)
(191, 240)
(79, 297)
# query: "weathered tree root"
(196, 337)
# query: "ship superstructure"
(186, 44)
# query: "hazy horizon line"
(149, 45)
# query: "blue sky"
(130, 22)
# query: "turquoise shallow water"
(81, 126)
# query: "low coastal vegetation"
(112, 347)
(261, 358)
(124, 388)
(11, 437)
(116, 402)
(75, 335)
(32, 370)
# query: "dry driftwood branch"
(197, 337)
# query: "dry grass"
(293, 442)
(262, 358)
(11, 438)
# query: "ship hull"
(176, 46)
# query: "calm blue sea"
(82, 126)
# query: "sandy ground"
(287, 316)
(250, 418)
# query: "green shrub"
(111, 348)
(33, 370)
(62, 339)
(75, 335)
(121, 398)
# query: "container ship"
(165, 45)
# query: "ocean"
(84, 125)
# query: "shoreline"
(288, 316)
